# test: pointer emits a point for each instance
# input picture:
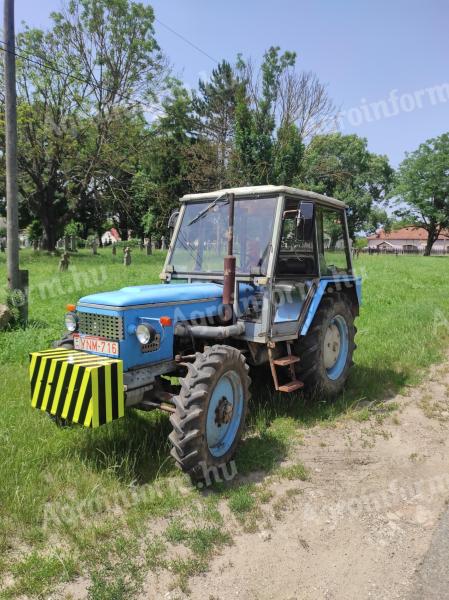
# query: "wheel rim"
(224, 413)
(336, 346)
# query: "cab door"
(334, 251)
(296, 266)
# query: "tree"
(148, 225)
(111, 44)
(423, 184)
(119, 163)
(214, 105)
(255, 127)
(48, 131)
(378, 219)
(341, 166)
(73, 228)
(288, 152)
(164, 167)
(304, 100)
(34, 231)
(106, 61)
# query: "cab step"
(284, 361)
(291, 386)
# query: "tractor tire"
(326, 350)
(210, 411)
(65, 344)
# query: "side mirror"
(172, 220)
(304, 221)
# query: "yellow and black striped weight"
(77, 386)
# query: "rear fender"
(348, 285)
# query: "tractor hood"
(174, 293)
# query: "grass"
(242, 500)
(74, 501)
(201, 540)
(35, 574)
(296, 471)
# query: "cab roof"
(266, 190)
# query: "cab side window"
(296, 253)
(333, 251)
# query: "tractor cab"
(285, 242)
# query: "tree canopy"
(422, 182)
(342, 166)
(108, 137)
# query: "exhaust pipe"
(209, 331)
(229, 267)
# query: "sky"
(385, 63)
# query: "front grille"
(105, 326)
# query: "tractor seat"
(294, 265)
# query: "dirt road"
(363, 524)
(432, 578)
(370, 521)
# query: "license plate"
(91, 343)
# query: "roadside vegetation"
(108, 505)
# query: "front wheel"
(210, 411)
(326, 350)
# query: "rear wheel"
(210, 411)
(326, 351)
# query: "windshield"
(201, 244)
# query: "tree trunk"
(431, 239)
(46, 212)
(50, 238)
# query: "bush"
(34, 231)
(132, 243)
(73, 228)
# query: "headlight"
(71, 322)
(144, 333)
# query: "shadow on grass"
(136, 448)
(262, 452)
(35, 324)
(365, 384)
(375, 384)
(16, 325)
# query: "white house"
(407, 239)
(110, 237)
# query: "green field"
(80, 502)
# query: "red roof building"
(111, 236)
(411, 239)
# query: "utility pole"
(17, 280)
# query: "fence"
(415, 251)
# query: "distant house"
(407, 239)
(110, 237)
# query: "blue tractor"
(254, 277)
